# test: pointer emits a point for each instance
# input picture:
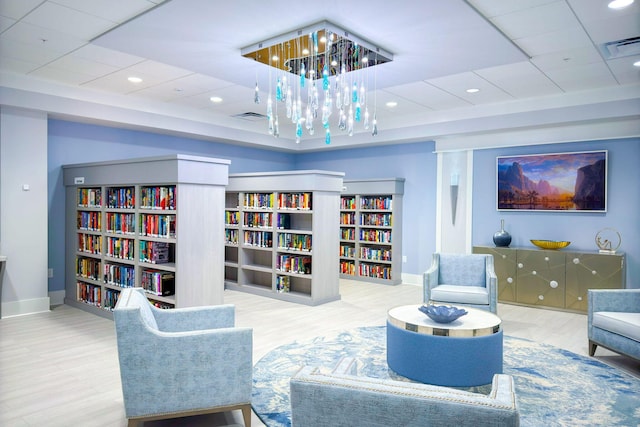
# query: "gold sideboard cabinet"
(553, 278)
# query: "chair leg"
(592, 348)
(246, 415)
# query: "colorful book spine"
(231, 236)
(259, 200)
(121, 248)
(88, 268)
(89, 197)
(294, 242)
(376, 202)
(155, 225)
(119, 275)
(90, 243)
(158, 197)
(301, 201)
(348, 202)
(261, 239)
(91, 221)
(121, 198)
(258, 219)
(90, 294)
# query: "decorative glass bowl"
(550, 244)
(442, 313)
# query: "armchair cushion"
(462, 270)
(625, 324)
(460, 294)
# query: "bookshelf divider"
(281, 235)
(371, 230)
(151, 222)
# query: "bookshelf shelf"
(124, 229)
(371, 230)
(287, 233)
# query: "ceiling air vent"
(251, 116)
(621, 48)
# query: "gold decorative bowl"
(550, 244)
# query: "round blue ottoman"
(443, 357)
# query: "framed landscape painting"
(568, 182)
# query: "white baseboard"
(412, 279)
(22, 307)
(57, 297)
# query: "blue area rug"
(554, 387)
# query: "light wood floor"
(60, 368)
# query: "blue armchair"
(181, 362)
(462, 279)
(613, 321)
(341, 399)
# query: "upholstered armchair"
(342, 399)
(462, 279)
(613, 321)
(181, 362)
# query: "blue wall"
(80, 143)
(414, 162)
(623, 198)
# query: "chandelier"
(327, 68)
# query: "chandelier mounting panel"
(312, 48)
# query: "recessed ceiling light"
(636, 64)
(305, 51)
(215, 99)
(275, 58)
(473, 90)
(134, 79)
(391, 104)
(619, 4)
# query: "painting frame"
(553, 182)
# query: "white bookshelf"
(287, 251)
(183, 224)
(371, 230)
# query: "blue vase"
(502, 239)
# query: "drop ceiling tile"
(115, 11)
(33, 53)
(82, 66)
(567, 58)
(537, 20)
(569, 38)
(6, 23)
(190, 85)
(596, 10)
(68, 21)
(117, 82)
(42, 37)
(430, 96)
(492, 8)
(17, 65)
(520, 80)
(624, 70)
(378, 102)
(457, 85)
(16, 9)
(614, 29)
(582, 77)
(61, 75)
(106, 56)
(158, 70)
